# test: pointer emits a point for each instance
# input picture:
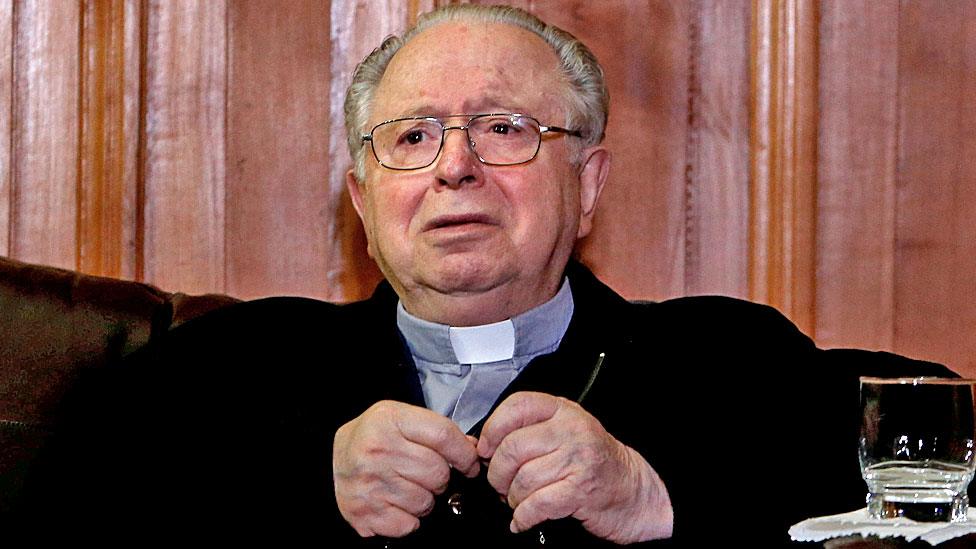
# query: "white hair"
(587, 92)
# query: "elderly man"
(472, 200)
(492, 391)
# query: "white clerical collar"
(526, 335)
(485, 343)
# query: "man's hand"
(390, 462)
(551, 459)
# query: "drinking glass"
(916, 447)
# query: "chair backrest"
(54, 325)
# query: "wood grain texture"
(805, 24)
(717, 172)
(856, 169)
(184, 145)
(44, 151)
(936, 183)
(279, 204)
(6, 121)
(783, 117)
(131, 238)
(109, 137)
(637, 244)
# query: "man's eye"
(503, 128)
(412, 137)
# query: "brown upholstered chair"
(55, 324)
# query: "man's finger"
(423, 466)
(518, 449)
(536, 474)
(440, 434)
(517, 411)
(549, 503)
(392, 523)
(411, 498)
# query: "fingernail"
(513, 528)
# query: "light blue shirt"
(464, 370)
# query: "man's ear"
(592, 177)
(355, 193)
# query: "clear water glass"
(916, 447)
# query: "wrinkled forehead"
(469, 67)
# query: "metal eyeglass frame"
(543, 129)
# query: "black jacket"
(224, 429)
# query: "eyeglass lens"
(496, 139)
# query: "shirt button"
(454, 504)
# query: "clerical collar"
(531, 333)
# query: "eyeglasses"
(498, 139)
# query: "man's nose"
(458, 164)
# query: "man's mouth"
(457, 220)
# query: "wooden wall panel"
(637, 244)
(716, 178)
(110, 93)
(935, 285)
(279, 204)
(783, 113)
(184, 159)
(44, 152)
(856, 171)
(6, 80)
(133, 134)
